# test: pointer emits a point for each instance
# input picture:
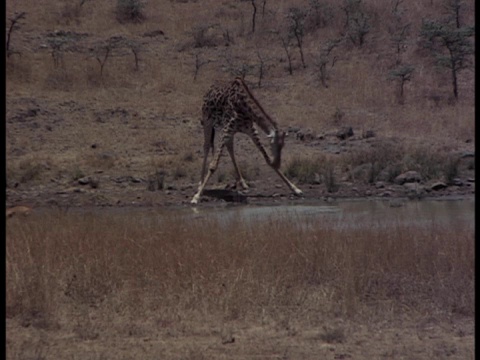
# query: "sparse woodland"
(396, 69)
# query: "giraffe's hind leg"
(208, 142)
(240, 179)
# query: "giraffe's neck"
(264, 121)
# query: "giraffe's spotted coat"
(232, 108)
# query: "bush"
(130, 10)
(305, 170)
(383, 161)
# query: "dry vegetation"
(127, 275)
(112, 91)
(129, 76)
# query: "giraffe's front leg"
(211, 169)
(274, 164)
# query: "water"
(356, 214)
(352, 214)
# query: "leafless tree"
(14, 24)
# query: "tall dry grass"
(204, 268)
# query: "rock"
(438, 186)
(305, 135)
(136, 179)
(345, 133)
(226, 195)
(84, 181)
(317, 179)
(107, 155)
(18, 210)
(468, 154)
(457, 182)
(154, 33)
(369, 134)
(94, 182)
(411, 186)
(407, 177)
(396, 203)
(379, 185)
(471, 180)
(414, 190)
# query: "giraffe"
(233, 108)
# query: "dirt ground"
(51, 162)
(150, 338)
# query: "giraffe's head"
(276, 144)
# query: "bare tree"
(324, 59)
(453, 9)
(399, 40)
(395, 7)
(357, 21)
(237, 66)
(61, 41)
(198, 64)
(402, 74)
(286, 46)
(115, 46)
(450, 46)
(296, 28)
(254, 14)
(264, 4)
(261, 68)
(319, 14)
(14, 25)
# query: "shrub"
(451, 169)
(130, 10)
(383, 160)
(156, 181)
(329, 178)
(305, 170)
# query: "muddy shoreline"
(259, 194)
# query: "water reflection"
(339, 214)
(354, 214)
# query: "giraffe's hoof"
(244, 185)
(298, 192)
(195, 200)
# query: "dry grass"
(358, 79)
(135, 114)
(130, 264)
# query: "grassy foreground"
(126, 265)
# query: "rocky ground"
(118, 187)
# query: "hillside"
(93, 94)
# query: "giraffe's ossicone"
(230, 109)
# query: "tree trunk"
(254, 15)
(454, 82)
